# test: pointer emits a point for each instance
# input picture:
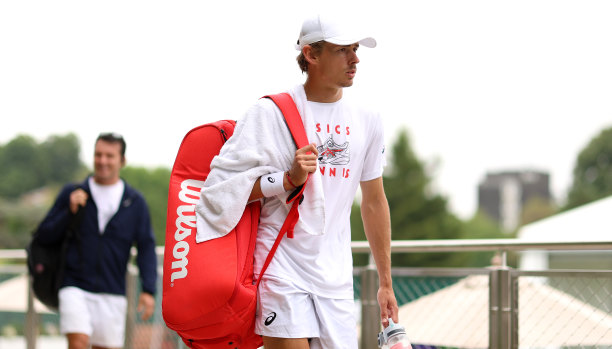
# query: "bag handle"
(294, 122)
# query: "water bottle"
(393, 337)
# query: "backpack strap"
(294, 122)
(287, 106)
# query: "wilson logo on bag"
(185, 226)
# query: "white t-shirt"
(350, 142)
(107, 199)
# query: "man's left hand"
(146, 305)
(388, 305)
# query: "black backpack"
(46, 263)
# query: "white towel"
(261, 144)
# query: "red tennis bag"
(209, 295)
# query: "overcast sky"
(479, 85)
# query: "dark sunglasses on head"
(111, 135)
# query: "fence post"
(370, 325)
(31, 325)
(515, 312)
(132, 303)
(500, 308)
(493, 309)
(505, 307)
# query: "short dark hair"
(301, 60)
(113, 137)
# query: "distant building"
(503, 195)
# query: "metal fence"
(495, 307)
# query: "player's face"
(338, 64)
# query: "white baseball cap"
(321, 28)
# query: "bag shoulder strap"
(294, 122)
(287, 106)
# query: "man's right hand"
(77, 198)
(304, 162)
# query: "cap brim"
(367, 41)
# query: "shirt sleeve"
(147, 258)
(375, 159)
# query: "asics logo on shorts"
(270, 318)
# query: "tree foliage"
(27, 165)
(61, 158)
(592, 172)
(20, 161)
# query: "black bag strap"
(72, 232)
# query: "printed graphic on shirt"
(333, 153)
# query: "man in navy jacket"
(92, 298)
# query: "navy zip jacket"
(99, 264)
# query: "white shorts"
(286, 311)
(101, 316)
